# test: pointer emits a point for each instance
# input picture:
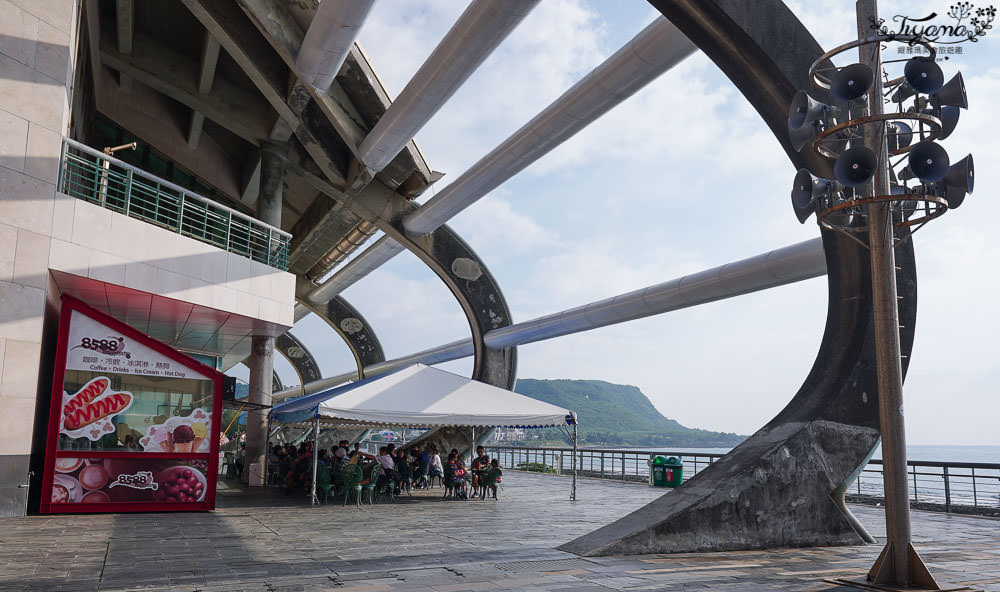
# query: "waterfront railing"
(91, 175)
(949, 486)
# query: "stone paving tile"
(263, 540)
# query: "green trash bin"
(674, 471)
(659, 472)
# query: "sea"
(914, 452)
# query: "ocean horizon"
(914, 452)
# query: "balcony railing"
(93, 176)
(950, 486)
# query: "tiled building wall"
(36, 41)
(41, 229)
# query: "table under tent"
(420, 396)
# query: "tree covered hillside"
(618, 415)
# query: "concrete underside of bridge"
(783, 486)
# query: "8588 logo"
(112, 346)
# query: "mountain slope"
(619, 414)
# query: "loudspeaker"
(900, 135)
(923, 75)
(928, 162)
(851, 82)
(805, 109)
(961, 176)
(948, 114)
(801, 136)
(906, 174)
(806, 190)
(952, 93)
(855, 166)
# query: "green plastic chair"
(487, 481)
(374, 471)
(324, 484)
(352, 482)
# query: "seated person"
(389, 474)
(455, 474)
(403, 470)
(479, 465)
(435, 468)
(493, 476)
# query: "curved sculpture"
(299, 357)
(476, 291)
(353, 328)
(784, 485)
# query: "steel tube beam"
(480, 29)
(789, 264)
(368, 261)
(329, 39)
(786, 265)
(656, 49)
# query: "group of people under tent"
(412, 467)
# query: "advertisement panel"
(130, 421)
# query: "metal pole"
(575, 448)
(315, 500)
(886, 318)
(267, 451)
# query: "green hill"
(618, 415)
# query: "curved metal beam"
(784, 485)
(477, 292)
(354, 329)
(299, 357)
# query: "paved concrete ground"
(277, 543)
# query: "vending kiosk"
(134, 424)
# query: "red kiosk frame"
(171, 477)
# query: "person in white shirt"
(389, 474)
(436, 467)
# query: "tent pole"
(267, 452)
(575, 439)
(315, 500)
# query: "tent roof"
(423, 396)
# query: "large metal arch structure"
(758, 493)
(784, 485)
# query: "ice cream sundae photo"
(179, 434)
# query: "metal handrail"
(121, 187)
(966, 487)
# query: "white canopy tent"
(422, 396)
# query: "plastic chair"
(490, 481)
(419, 478)
(324, 484)
(431, 477)
(406, 479)
(369, 488)
(352, 482)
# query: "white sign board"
(95, 347)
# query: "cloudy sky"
(681, 177)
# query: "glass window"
(154, 413)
